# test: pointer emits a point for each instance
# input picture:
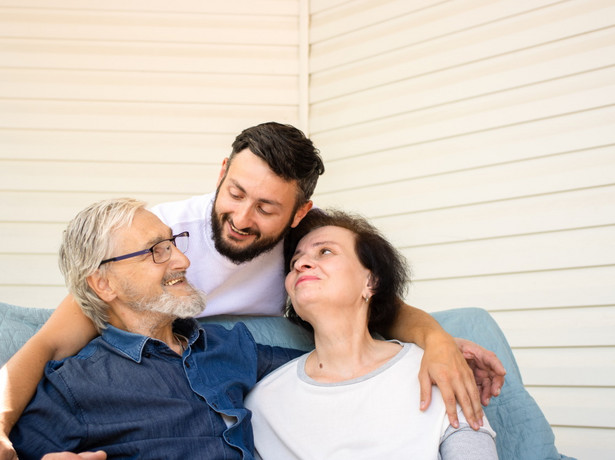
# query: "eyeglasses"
(161, 251)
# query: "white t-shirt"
(251, 288)
(376, 416)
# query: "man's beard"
(185, 306)
(240, 255)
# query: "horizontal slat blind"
(479, 137)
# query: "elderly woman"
(354, 396)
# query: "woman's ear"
(370, 286)
(100, 285)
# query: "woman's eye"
(325, 251)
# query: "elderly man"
(154, 384)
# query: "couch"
(523, 432)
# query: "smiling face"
(142, 285)
(253, 208)
(325, 270)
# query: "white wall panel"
(42, 296)
(579, 208)
(570, 406)
(121, 116)
(149, 57)
(542, 366)
(27, 206)
(169, 87)
(499, 182)
(585, 443)
(430, 40)
(103, 177)
(571, 287)
(31, 269)
(415, 157)
(538, 252)
(126, 26)
(205, 147)
(238, 7)
(577, 327)
(17, 238)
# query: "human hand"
(99, 455)
(6, 449)
(444, 365)
(488, 370)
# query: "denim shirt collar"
(132, 345)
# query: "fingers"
(497, 384)
(99, 455)
(486, 391)
(425, 383)
(469, 399)
(6, 449)
(450, 402)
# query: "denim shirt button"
(187, 364)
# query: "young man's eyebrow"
(261, 200)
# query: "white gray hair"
(86, 242)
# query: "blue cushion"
(17, 325)
(522, 430)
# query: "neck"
(345, 350)
(150, 324)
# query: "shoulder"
(189, 209)
(238, 334)
(64, 372)
(278, 380)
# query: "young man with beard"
(264, 189)
(151, 385)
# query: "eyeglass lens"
(162, 251)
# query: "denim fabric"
(131, 396)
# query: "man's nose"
(242, 216)
(178, 259)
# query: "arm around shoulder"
(66, 332)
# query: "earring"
(366, 298)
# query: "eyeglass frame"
(150, 250)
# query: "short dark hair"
(287, 151)
(388, 267)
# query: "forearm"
(65, 333)
(416, 326)
(18, 380)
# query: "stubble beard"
(167, 304)
(237, 255)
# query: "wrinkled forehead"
(145, 230)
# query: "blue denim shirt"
(133, 397)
